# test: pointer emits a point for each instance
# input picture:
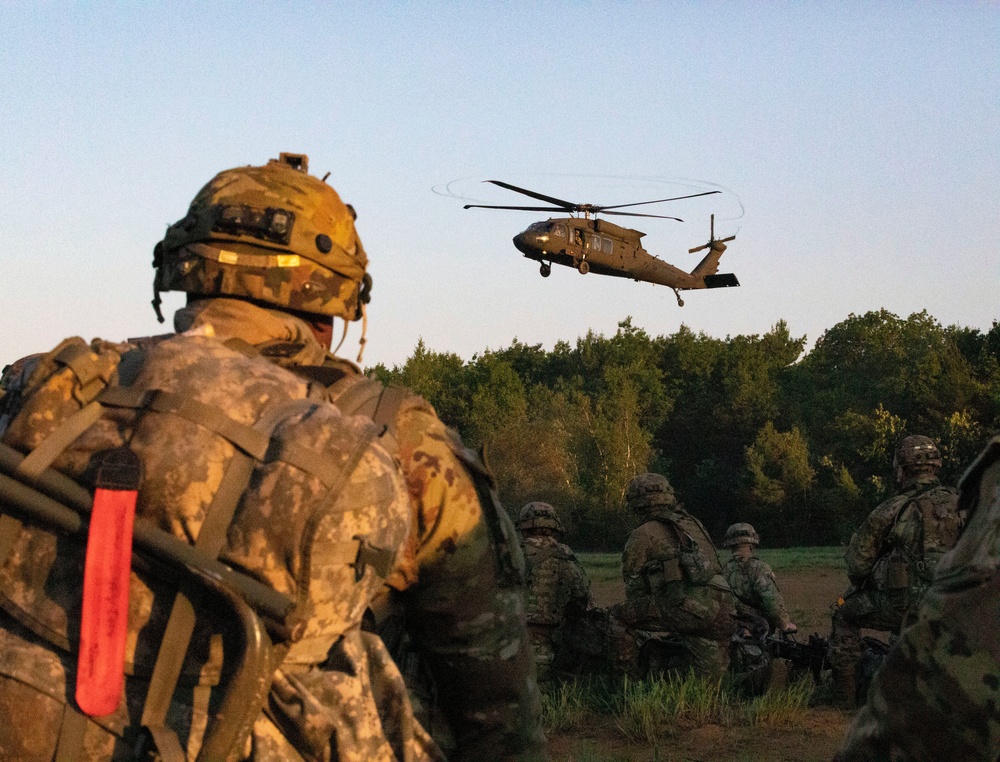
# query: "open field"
(707, 727)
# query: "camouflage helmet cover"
(741, 534)
(274, 234)
(538, 515)
(648, 491)
(916, 450)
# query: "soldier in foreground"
(752, 580)
(938, 692)
(268, 257)
(891, 558)
(673, 578)
(558, 588)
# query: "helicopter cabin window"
(608, 245)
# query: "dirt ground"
(808, 594)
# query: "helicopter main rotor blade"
(521, 208)
(567, 205)
(637, 214)
(659, 201)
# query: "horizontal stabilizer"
(722, 280)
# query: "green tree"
(781, 480)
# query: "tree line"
(747, 428)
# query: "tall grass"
(648, 711)
(779, 707)
(651, 709)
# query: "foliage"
(745, 428)
(648, 711)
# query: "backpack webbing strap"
(50, 448)
(360, 395)
(356, 395)
(252, 440)
(91, 375)
(10, 530)
(69, 745)
(211, 538)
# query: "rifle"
(811, 655)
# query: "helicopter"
(595, 245)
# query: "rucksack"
(241, 459)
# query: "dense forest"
(747, 428)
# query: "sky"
(857, 146)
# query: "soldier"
(673, 578)
(891, 558)
(268, 257)
(752, 580)
(558, 588)
(936, 695)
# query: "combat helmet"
(741, 534)
(538, 516)
(648, 491)
(916, 450)
(272, 234)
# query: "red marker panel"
(104, 619)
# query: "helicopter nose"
(523, 242)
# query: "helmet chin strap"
(364, 331)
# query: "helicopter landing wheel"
(545, 270)
(583, 267)
(680, 302)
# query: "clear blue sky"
(860, 140)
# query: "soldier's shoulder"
(565, 552)
(758, 565)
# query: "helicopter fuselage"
(598, 246)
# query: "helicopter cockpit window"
(559, 230)
(538, 227)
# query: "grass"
(601, 567)
(604, 567)
(648, 711)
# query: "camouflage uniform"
(277, 236)
(756, 589)
(280, 531)
(673, 578)
(937, 694)
(558, 588)
(890, 562)
(752, 581)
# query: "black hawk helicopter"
(599, 246)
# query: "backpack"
(241, 459)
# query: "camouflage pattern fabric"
(937, 696)
(755, 587)
(457, 589)
(271, 233)
(674, 582)
(285, 531)
(889, 562)
(558, 593)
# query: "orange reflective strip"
(104, 620)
